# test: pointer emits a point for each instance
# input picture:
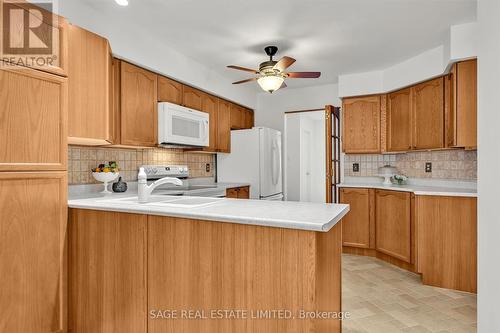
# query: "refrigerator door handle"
(276, 162)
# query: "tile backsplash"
(446, 164)
(82, 159)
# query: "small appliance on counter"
(387, 172)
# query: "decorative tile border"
(446, 164)
(82, 159)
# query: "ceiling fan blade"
(245, 81)
(243, 69)
(283, 64)
(304, 75)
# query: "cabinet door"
(428, 113)
(50, 51)
(393, 224)
(169, 90)
(357, 224)
(447, 241)
(32, 241)
(362, 124)
(33, 120)
(138, 106)
(192, 98)
(107, 287)
(232, 193)
(90, 117)
(399, 120)
(249, 119)
(224, 126)
(463, 113)
(237, 117)
(209, 105)
(244, 192)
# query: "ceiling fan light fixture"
(270, 83)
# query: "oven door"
(178, 125)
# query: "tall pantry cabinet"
(33, 194)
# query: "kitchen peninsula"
(129, 262)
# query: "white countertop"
(417, 189)
(279, 214)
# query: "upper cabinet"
(462, 124)
(169, 90)
(33, 126)
(192, 98)
(399, 120)
(428, 111)
(51, 52)
(361, 124)
(224, 126)
(90, 118)
(209, 104)
(138, 106)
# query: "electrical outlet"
(207, 167)
(355, 167)
(428, 167)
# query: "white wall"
(131, 43)
(292, 159)
(459, 44)
(271, 107)
(489, 166)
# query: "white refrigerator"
(255, 158)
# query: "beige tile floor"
(383, 298)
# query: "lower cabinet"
(393, 224)
(107, 276)
(238, 192)
(358, 226)
(33, 218)
(447, 241)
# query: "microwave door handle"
(205, 129)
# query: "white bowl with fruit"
(106, 173)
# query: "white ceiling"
(331, 36)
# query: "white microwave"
(180, 126)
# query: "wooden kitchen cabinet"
(238, 192)
(358, 226)
(107, 277)
(447, 241)
(399, 120)
(192, 98)
(32, 244)
(462, 122)
(249, 119)
(224, 126)
(138, 100)
(209, 104)
(393, 224)
(237, 117)
(428, 114)
(90, 114)
(55, 52)
(33, 126)
(169, 90)
(361, 124)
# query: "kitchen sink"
(169, 201)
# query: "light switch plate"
(355, 167)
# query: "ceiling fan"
(272, 73)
